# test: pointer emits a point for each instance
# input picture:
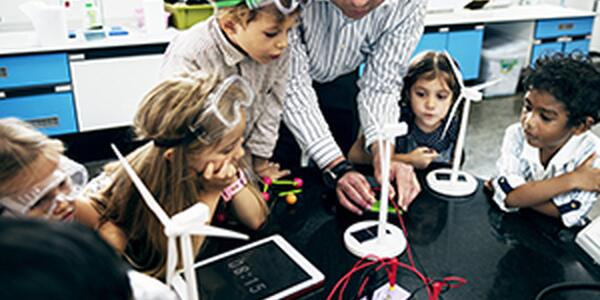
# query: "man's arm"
(381, 84)
(301, 111)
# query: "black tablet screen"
(255, 273)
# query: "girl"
(250, 39)
(430, 89)
(195, 125)
(36, 180)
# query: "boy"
(547, 160)
(251, 43)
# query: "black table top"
(503, 256)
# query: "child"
(547, 160)
(251, 43)
(195, 126)
(430, 89)
(36, 180)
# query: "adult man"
(333, 39)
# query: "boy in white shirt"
(549, 159)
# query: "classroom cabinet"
(562, 35)
(36, 88)
(464, 43)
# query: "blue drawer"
(465, 47)
(32, 70)
(432, 41)
(563, 27)
(51, 113)
(545, 49)
(582, 46)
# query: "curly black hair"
(572, 79)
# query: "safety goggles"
(284, 6)
(70, 176)
(223, 106)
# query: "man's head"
(356, 9)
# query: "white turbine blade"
(209, 230)
(455, 70)
(452, 114)
(484, 85)
(395, 129)
(146, 195)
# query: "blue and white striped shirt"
(329, 45)
(519, 163)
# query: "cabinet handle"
(2, 95)
(77, 57)
(3, 72)
(62, 88)
(566, 26)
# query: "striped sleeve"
(509, 167)
(301, 112)
(381, 85)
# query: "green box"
(185, 16)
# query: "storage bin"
(185, 16)
(503, 59)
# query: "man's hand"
(354, 192)
(407, 185)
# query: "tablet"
(266, 269)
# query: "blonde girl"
(36, 179)
(194, 124)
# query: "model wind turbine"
(454, 182)
(183, 225)
(389, 242)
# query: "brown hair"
(166, 113)
(429, 65)
(22, 145)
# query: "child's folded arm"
(573, 206)
(250, 207)
(537, 192)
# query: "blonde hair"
(166, 113)
(22, 145)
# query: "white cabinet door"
(108, 90)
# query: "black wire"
(566, 286)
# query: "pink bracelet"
(234, 188)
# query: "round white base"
(439, 181)
(392, 244)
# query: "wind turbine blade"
(208, 230)
(455, 70)
(460, 98)
(146, 195)
(484, 85)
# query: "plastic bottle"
(92, 18)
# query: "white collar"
(562, 157)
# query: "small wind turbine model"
(191, 221)
(454, 182)
(390, 241)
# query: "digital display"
(255, 273)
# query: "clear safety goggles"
(284, 6)
(223, 106)
(69, 177)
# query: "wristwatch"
(234, 188)
(332, 175)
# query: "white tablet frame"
(316, 277)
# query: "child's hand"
(218, 179)
(422, 157)
(265, 168)
(587, 177)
